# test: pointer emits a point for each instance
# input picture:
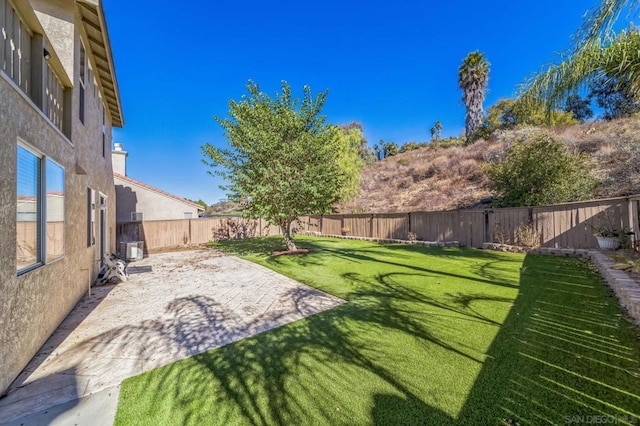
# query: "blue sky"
(390, 65)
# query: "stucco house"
(58, 102)
(136, 201)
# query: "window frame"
(41, 206)
(91, 217)
(82, 78)
(40, 250)
(134, 216)
(45, 213)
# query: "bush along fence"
(570, 225)
(159, 234)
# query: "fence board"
(359, 225)
(331, 224)
(393, 225)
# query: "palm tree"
(598, 53)
(473, 76)
(438, 130)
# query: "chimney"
(119, 159)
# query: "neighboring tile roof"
(159, 191)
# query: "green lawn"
(429, 336)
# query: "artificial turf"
(428, 336)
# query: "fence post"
(371, 226)
(321, 222)
(486, 227)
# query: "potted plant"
(345, 230)
(611, 238)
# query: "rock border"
(387, 240)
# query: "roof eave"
(93, 20)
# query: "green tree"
(473, 78)
(540, 172)
(283, 160)
(200, 201)
(508, 113)
(385, 149)
(352, 158)
(438, 127)
(579, 107)
(356, 128)
(614, 98)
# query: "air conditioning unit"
(132, 250)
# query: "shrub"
(446, 143)
(235, 229)
(540, 172)
(409, 146)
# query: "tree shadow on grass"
(327, 369)
(559, 357)
(485, 261)
(557, 354)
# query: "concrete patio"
(174, 305)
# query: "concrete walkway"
(175, 305)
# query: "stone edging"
(388, 240)
(624, 286)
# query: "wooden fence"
(564, 225)
(158, 234)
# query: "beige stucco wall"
(56, 17)
(33, 304)
(153, 205)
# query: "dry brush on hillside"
(449, 178)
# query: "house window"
(136, 216)
(40, 217)
(55, 211)
(83, 81)
(29, 209)
(188, 215)
(91, 217)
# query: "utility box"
(132, 250)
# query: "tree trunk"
(286, 230)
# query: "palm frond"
(617, 57)
(600, 20)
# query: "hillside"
(450, 178)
